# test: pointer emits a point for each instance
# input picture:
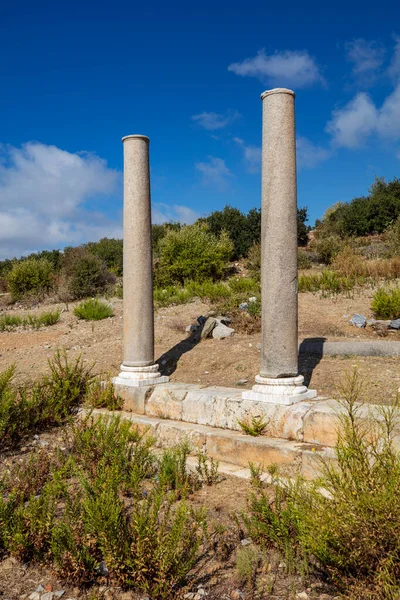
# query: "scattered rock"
(34, 596)
(222, 331)
(211, 313)
(39, 588)
(302, 596)
(224, 320)
(324, 597)
(282, 565)
(47, 596)
(208, 327)
(59, 593)
(242, 382)
(253, 299)
(395, 324)
(237, 595)
(245, 542)
(358, 321)
(243, 306)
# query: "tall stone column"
(278, 381)
(138, 368)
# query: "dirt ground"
(229, 362)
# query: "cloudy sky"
(76, 77)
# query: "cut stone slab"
(395, 324)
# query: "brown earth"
(211, 362)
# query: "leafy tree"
(234, 222)
(30, 276)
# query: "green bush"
(192, 253)
(345, 525)
(110, 251)
(327, 248)
(108, 504)
(386, 304)
(254, 262)
(393, 238)
(89, 276)
(30, 277)
(46, 402)
(93, 309)
(303, 261)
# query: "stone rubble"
(358, 321)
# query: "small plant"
(247, 561)
(94, 309)
(386, 304)
(254, 426)
(207, 469)
(30, 277)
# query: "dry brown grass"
(350, 264)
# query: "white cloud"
(367, 58)
(394, 67)
(215, 173)
(251, 154)
(308, 154)
(288, 68)
(213, 121)
(43, 191)
(354, 123)
(164, 213)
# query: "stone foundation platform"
(294, 438)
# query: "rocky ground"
(232, 362)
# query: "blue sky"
(76, 77)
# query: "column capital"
(277, 91)
(136, 136)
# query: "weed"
(247, 561)
(93, 309)
(254, 426)
(207, 469)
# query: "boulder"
(358, 321)
(221, 331)
(208, 327)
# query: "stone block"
(171, 433)
(209, 406)
(133, 397)
(240, 449)
(321, 423)
(313, 457)
(166, 401)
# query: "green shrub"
(346, 524)
(87, 274)
(47, 402)
(93, 309)
(386, 304)
(30, 277)
(327, 248)
(110, 505)
(192, 253)
(392, 236)
(110, 251)
(102, 395)
(303, 261)
(254, 262)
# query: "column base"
(139, 376)
(280, 390)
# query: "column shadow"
(168, 361)
(311, 351)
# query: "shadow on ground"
(311, 351)
(168, 361)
